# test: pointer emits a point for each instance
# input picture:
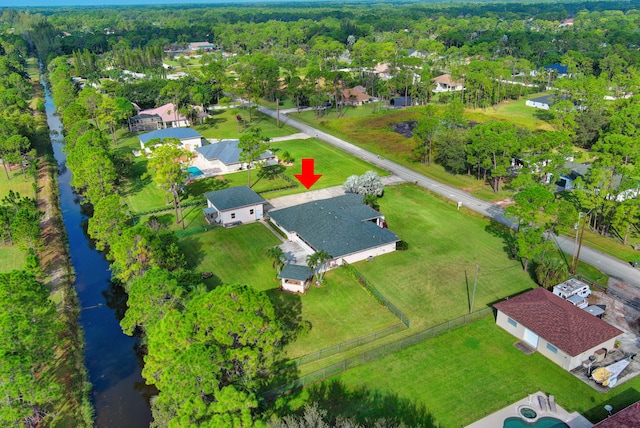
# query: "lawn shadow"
(199, 187)
(545, 115)
(508, 238)
(618, 402)
(137, 183)
(288, 309)
(366, 406)
(193, 251)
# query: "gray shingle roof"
(545, 99)
(179, 133)
(233, 197)
(226, 151)
(557, 321)
(298, 272)
(338, 225)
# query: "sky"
(47, 3)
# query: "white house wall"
(243, 214)
(578, 359)
(191, 143)
(371, 252)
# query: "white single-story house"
(190, 139)
(562, 332)
(343, 226)
(444, 83)
(223, 157)
(234, 205)
(295, 278)
(543, 103)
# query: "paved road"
(615, 268)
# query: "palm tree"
(317, 262)
(278, 258)
(551, 271)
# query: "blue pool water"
(194, 171)
(540, 423)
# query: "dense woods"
(210, 351)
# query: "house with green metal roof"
(343, 226)
(233, 206)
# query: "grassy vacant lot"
(338, 311)
(11, 257)
(433, 281)
(223, 124)
(456, 379)
(515, 112)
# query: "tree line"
(208, 351)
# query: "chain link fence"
(372, 290)
(375, 354)
(345, 346)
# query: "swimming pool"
(194, 171)
(544, 422)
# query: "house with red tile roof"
(560, 331)
(445, 83)
(356, 96)
(625, 418)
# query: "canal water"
(119, 394)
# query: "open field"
(456, 378)
(11, 258)
(433, 281)
(515, 112)
(16, 182)
(223, 124)
(333, 313)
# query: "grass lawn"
(432, 282)
(515, 112)
(223, 124)
(334, 164)
(235, 255)
(456, 379)
(11, 258)
(336, 312)
(16, 182)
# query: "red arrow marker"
(308, 178)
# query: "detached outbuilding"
(562, 332)
(295, 278)
(233, 206)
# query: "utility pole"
(475, 283)
(577, 259)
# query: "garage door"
(531, 338)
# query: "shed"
(401, 102)
(295, 278)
